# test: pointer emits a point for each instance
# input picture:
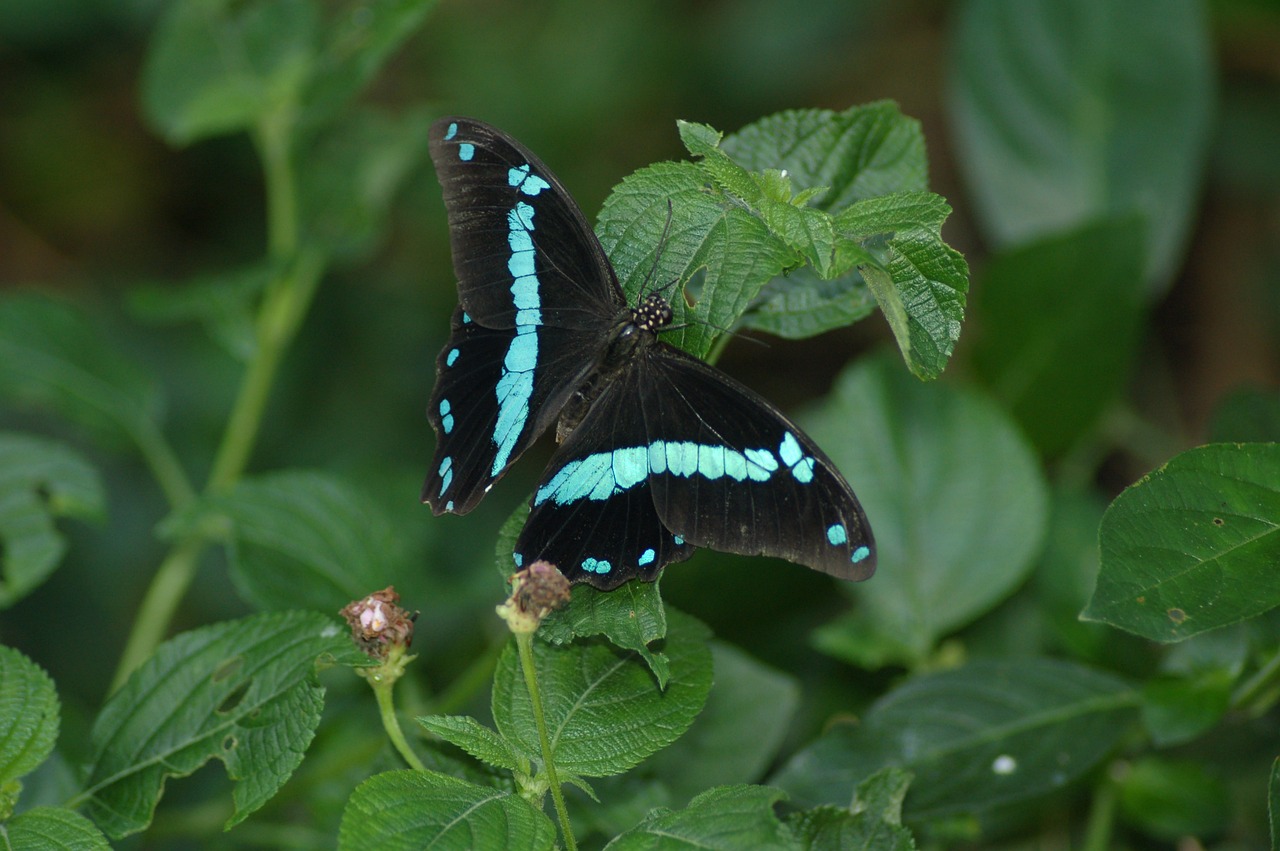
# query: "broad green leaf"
(800, 304)
(53, 356)
(955, 499)
(727, 817)
(976, 738)
(354, 48)
(217, 66)
(306, 539)
(874, 821)
(1060, 320)
(631, 617)
(604, 711)
(29, 715)
(739, 732)
(1247, 416)
(352, 175)
(1169, 799)
(40, 481)
(244, 692)
(223, 302)
(1178, 710)
(920, 282)
(1192, 546)
(860, 153)
(52, 829)
(730, 249)
(411, 810)
(505, 546)
(1273, 805)
(474, 738)
(1066, 111)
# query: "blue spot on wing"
(466, 151)
(452, 358)
(647, 557)
(446, 473)
(859, 554)
(836, 534)
(453, 131)
(514, 387)
(446, 418)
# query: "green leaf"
(1066, 112)
(1060, 320)
(873, 822)
(52, 829)
(409, 810)
(603, 709)
(52, 356)
(727, 817)
(631, 617)
(920, 282)
(474, 738)
(223, 302)
(801, 304)
(1247, 416)
(40, 481)
(864, 152)
(352, 175)
(217, 66)
(739, 732)
(955, 499)
(976, 738)
(1273, 805)
(1169, 799)
(1193, 545)
(306, 539)
(355, 47)
(244, 692)
(1178, 710)
(29, 715)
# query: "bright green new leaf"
(976, 738)
(411, 810)
(52, 829)
(1067, 111)
(604, 710)
(1060, 319)
(1192, 546)
(244, 692)
(725, 818)
(40, 481)
(216, 66)
(29, 715)
(306, 539)
(955, 499)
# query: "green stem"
(524, 642)
(164, 465)
(1261, 683)
(383, 681)
(167, 589)
(1102, 816)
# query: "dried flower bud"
(378, 623)
(535, 592)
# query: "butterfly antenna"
(657, 257)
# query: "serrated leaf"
(215, 66)
(474, 738)
(411, 810)
(306, 539)
(727, 817)
(976, 738)
(631, 617)
(29, 715)
(873, 821)
(244, 692)
(738, 733)
(52, 829)
(800, 304)
(954, 495)
(604, 711)
(53, 356)
(352, 175)
(1110, 113)
(1192, 546)
(223, 302)
(40, 481)
(354, 47)
(920, 282)
(1060, 321)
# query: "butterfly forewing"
(536, 294)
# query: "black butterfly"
(659, 452)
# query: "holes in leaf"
(233, 700)
(230, 743)
(227, 669)
(1176, 615)
(1218, 521)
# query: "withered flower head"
(535, 592)
(378, 623)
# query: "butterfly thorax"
(635, 328)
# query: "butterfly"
(659, 452)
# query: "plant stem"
(164, 465)
(1262, 682)
(167, 588)
(1102, 814)
(383, 682)
(524, 642)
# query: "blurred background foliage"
(95, 206)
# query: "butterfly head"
(653, 314)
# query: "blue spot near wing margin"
(530, 184)
(859, 554)
(594, 565)
(446, 473)
(452, 358)
(647, 557)
(466, 151)
(836, 534)
(453, 131)
(446, 418)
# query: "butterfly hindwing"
(536, 294)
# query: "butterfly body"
(658, 451)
